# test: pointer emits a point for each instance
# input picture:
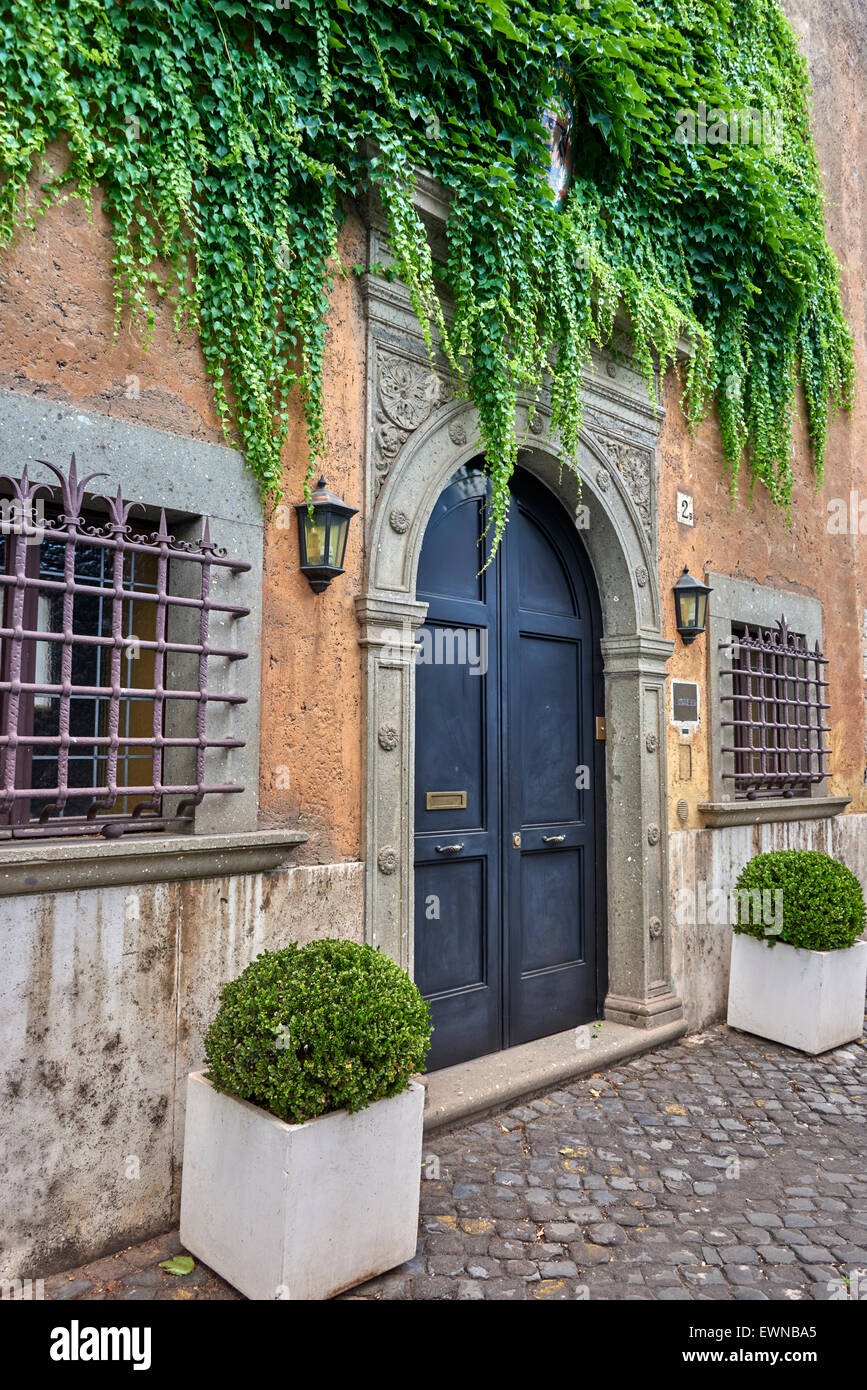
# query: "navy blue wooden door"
(507, 774)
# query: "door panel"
(449, 563)
(451, 955)
(507, 688)
(543, 581)
(550, 718)
(451, 712)
(550, 891)
(458, 937)
(548, 709)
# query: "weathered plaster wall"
(311, 695)
(752, 541)
(105, 996)
(57, 341)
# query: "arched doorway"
(509, 933)
(619, 536)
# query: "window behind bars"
(776, 701)
(93, 669)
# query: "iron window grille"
(91, 676)
(778, 709)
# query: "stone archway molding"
(417, 440)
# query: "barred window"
(776, 702)
(97, 689)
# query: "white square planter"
(300, 1211)
(811, 1000)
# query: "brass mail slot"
(445, 801)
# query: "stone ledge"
(65, 867)
(458, 1094)
(722, 813)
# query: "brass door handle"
(448, 849)
(553, 839)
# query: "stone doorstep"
(487, 1084)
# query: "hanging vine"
(228, 137)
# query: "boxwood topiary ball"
(327, 1026)
(823, 905)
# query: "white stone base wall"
(715, 857)
(105, 995)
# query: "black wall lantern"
(690, 602)
(322, 536)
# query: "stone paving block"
(504, 1289)
(741, 1254)
(778, 1255)
(516, 1230)
(562, 1230)
(766, 1219)
(584, 1215)
(702, 1277)
(554, 1290)
(558, 1269)
(452, 1266)
(67, 1288)
(607, 1233)
(508, 1249)
(145, 1277)
(585, 1253)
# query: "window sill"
(65, 867)
(721, 813)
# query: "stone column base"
(643, 1013)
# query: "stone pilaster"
(639, 943)
(388, 627)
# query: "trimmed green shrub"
(822, 903)
(327, 1026)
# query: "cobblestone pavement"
(721, 1167)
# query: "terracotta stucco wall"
(311, 675)
(57, 341)
(752, 541)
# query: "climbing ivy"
(229, 140)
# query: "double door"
(507, 773)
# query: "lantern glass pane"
(337, 540)
(688, 609)
(315, 532)
(701, 620)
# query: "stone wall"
(702, 862)
(105, 996)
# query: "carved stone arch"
(616, 541)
